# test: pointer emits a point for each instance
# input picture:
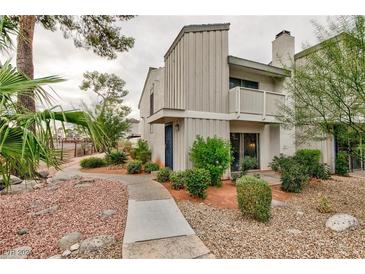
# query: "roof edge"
(196, 28)
(234, 60)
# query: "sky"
(250, 37)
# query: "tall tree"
(110, 111)
(99, 33)
(328, 84)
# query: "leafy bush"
(116, 157)
(321, 171)
(247, 164)
(254, 197)
(235, 176)
(342, 164)
(150, 166)
(178, 179)
(92, 162)
(280, 162)
(197, 182)
(212, 154)
(142, 151)
(134, 167)
(163, 175)
(293, 177)
(309, 159)
(324, 205)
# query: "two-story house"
(202, 90)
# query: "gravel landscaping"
(39, 219)
(295, 231)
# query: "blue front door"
(169, 152)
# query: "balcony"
(254, 104)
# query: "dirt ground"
(221, 197)
(109, 170)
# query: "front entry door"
(169, 153)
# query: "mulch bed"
(78, 209)
(295, 231)
(221, 197)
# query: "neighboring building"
(202, 90)
(134, 130)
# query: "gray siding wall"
(197, 72)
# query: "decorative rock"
(43, 174)
(37, 186)
(69, 239)
(22, 231)
(17, 253)
(96, 243)
(58, 256)
(294, 231)
(300, 213)
(75, 247)
(277, 203)
(49, 210)
(108, 213)
(66, 253)
(13, 180)
(82, 185)
(341, 222)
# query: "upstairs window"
(151, 104)
(235, 82)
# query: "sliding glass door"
(244, 145)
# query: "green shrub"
(142, 151)
(254, 197)
(92, 162)
(293, 177)
(247, 164)
(212, 154)
(116, 157)
(235, 176)
(178, 179)
(280, 162)
(163, 175)
(134, 167)
(197, 182)
(321, 171)
(324, 205)
(150, 166)
(309, 159)
(342, 164)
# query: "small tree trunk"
(24, 57)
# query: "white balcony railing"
(254, 101)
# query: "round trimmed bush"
(197, 182)
(116, 157)
(163, 175)
(293, 177)
(254, 197)
(92, 162)
(134, 167)
(178, 179)
(150, 166)
(342, 163)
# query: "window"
(151, 104)
(235, 82)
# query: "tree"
(328, 86)
(26, 136)
(100, 33)
(109, 111)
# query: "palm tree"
(26, 136)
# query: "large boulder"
(68, 240)
(342, 222)
(96, 243)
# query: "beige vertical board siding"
(252, 101)
(218, 67)
(273, 102)
(225, 72)
(210, 97)
(179, 144)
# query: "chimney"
(283, 48)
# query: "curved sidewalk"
(155, 226)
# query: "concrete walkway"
(155, 226)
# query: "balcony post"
(264, 110)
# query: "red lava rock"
(78, 210)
